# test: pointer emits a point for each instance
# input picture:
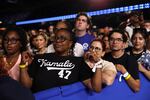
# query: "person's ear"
(125, 45)
(70, 44)
(20, 45)
(103, 53)
(88, 26)
(46, 42)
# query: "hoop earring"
(69, 52)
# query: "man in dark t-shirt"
(125, 63)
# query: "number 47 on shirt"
(66, 72)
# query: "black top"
(11, 90)
(49, 70)
(127, 61)
(136, 56)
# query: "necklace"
(11, 60)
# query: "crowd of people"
(62, 54)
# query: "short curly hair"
(22, 35)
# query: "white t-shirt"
(129, 29)
(78, 50)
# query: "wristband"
(125, 75)
(22, 66)
(97, 65)
(128, 77)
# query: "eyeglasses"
(12, 40)
(60, 38)
(95, 48)
(117, 39)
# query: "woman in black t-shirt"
(138, 41)
(59, 68)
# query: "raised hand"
(121, 68)
(3, 67)
(26, 58)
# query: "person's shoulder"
(90, 35)
(129, 57)
(107, 55)
(50, 48)
(78, 50)
(44, 55)
(51, 45)
(128, 50)
(107, 63)
(78, 45)
(76, 59)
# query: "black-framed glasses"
(116, 39)
(61, 38)
(95, 48)
(12, 40)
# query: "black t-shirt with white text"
(128, 61)
(50, 70)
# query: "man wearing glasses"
(125, 64)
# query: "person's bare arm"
(108, 77)
(95, 83)
(24, 76)
(144, 71)
(134, 84)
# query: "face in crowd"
(81, 23)
(106, 41)
(147, 26)
(138, 40)
(12, 43)
(97, 47)
(41, 41)
(116, 41)
(62, 42)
